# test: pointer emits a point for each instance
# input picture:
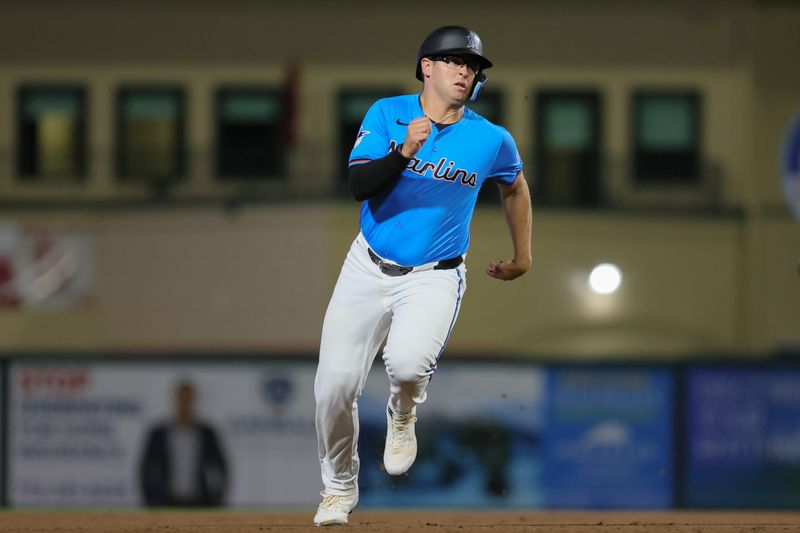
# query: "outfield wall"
(494, 433)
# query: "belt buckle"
(388, 269)
(393, 270)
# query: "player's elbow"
(358, 185)
(358, 194)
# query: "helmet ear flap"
(477, 85)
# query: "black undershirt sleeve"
(379, 175)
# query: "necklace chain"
(436, 123)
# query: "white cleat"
(401, 442)
(334, 509)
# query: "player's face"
(452, 77)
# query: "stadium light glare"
(605, 278)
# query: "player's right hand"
(418, 131)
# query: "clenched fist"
(508, 270)
(418, 131)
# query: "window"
(249, 134)
(150, 124)
(51, 133)
(567, 148)
(489, 105)
(666, 131)
(353, 105)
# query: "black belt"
(390, 269)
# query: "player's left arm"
(517, 207)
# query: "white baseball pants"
(417, 311)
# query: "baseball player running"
(417, 165)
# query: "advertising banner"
(743, 436)
(45, 268)
(103, 434)
(478, 438)
(3, 370)
(609, 438)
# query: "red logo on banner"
(53, 380)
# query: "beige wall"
(575, 32)
(202, 278)
(195, 279)
(207, 279)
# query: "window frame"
(181, 150)
(695, 98)
(22, 92)
(594, 96)
(220, 94)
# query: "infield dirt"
(232, 521)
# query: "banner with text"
(78, 432)
(743, 436)
(609, 437)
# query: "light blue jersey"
(425, 217)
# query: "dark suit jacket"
(211, 474)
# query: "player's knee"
(407, 369)
(335, 387)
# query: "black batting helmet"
(452, 40)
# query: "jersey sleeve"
(508, 163)
(372, 141)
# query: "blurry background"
(173, 206)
